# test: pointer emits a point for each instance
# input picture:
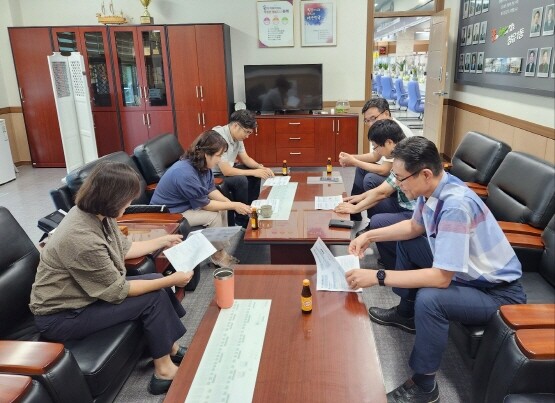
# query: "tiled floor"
(28, 196)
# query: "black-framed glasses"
(404, 179)
(372, 119)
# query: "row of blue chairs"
(395, 91)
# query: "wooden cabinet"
(200, 57)
(303, 140)
(142, 79)
(92, 43)
(30, 48)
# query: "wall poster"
(319, 23)
(275, 23)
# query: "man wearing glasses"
(454, 263)
(386, 204)
(371, 168)
(243, 179)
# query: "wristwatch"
(381, 277)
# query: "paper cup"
(224, 283)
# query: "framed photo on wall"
(275, 23)
(319, 23)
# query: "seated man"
(242, 180)
(385, 204)
(454, 263)
(371, 168)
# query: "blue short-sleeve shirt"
(464, 236)
(183, 188)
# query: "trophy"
(146, 18)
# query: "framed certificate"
(319, 23)
(275, 23)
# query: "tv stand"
(303, 139)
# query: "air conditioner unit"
(7, 170)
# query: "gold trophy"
(146, 18)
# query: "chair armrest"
(151, 187)
(29, 357)
(151, 218)
(519, 228)
(525, 241)
(218, 181)
(14, 387)
(528, 316)
(479, 189)
(536, 344)
(447, 166)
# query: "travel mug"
(224, 282)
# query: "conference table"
(326, 356)
(290, 240)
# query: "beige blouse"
(82, 262)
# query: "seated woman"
(81, 285)
(188, 188)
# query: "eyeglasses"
(404, 179)
(247, 131)
(375, 147)
(372, 119)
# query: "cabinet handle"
(147, 93)
(294, 138)
(294, 123)
(144, 119)
(294, 153)
(337, 126)
(140, 92)
(148, 119)
(196, 91)
(198, 115)
(333, 125)
(203, 120)
(201, 94)
(21, 94)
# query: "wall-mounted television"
(282, 88)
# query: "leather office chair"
(379, 84)
(401, 93)
(86, 370)
(157, 155)
(415, 99)
(477, 158)
(388, 92)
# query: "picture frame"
(544, 60)
(483, 31)
(471, 8)
(469, 35)
(476, 34)
(275, 23)
(548, 20)
(463, 36)
(318, 23)
(531, 57)
(461, 63)
(485, 6)
(465, 9)
(478, 7)
(536, 22)
(480, 63)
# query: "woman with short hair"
(81, 286)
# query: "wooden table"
(327, 356)
(290, 240)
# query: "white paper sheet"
(285, 195)
(330, 270)
(187, 254)
(320, 180)
(277, 181)
(229, 365)
(327, 202)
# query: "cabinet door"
(346, 135)
(30, 47)
(184, 67)
(154, 66)
(134, 129)
(266, 142)
(92, 43)
(325, 134)
(189, 126)
(159, 122)
(128, 74)
(107, 133)
(211, 67)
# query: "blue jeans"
(435, 307)
(364, 181)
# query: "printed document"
(330, 270)
(187, 254)
(277, 181)
(327, 202)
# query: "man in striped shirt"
(453, 264)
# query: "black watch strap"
(381, 277)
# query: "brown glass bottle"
(284, 168)
(329, 167)
(306, 297)
(254, 218)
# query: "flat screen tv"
(282, 88)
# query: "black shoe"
(178, 357)
(158, 386)
(390, 317)
(409, 392)
(362, 231)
